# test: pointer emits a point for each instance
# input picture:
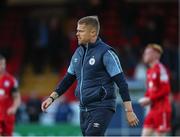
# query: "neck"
(154, 62)
(93, 40)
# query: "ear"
(93, 32)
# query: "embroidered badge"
(92, 61)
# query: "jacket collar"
(92, 45)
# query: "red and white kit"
(8, 84)
(158, 89)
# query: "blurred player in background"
(158, 119)
(9, 100)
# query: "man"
(9, 100)
(158, 118)
(96, 67)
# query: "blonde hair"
(155, 47)
(92, 21)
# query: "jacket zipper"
(81, 98)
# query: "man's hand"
(130, 115)
(12, 110)
(49, 101)
(45, 104)
(131, 118)
(144, 101)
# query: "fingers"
(133, 120)
(42, 106)
(45, 105)
(134, 123)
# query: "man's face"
(2, 65)
(84, 33)
(149, 55)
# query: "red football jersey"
(158, 87)
(7, 84)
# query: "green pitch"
(44, 130)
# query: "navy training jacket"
(95, 87)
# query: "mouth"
(79, 39)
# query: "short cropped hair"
(92, 21)
(2, 57)
(155, 47)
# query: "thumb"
(46, 105)
(43, 106)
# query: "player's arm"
(16, 99)
(164, 91)
(145, 101)
(159, 92)
(61, 88)
(113, 67)
(146, 94)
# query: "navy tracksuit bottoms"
(95, 122)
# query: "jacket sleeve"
(119, 79)
(112, 63)
(114, 69)
(71, 68)
(67, 81)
